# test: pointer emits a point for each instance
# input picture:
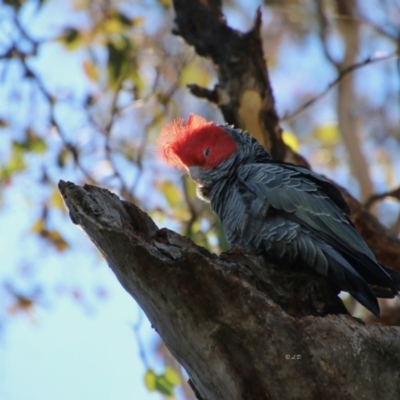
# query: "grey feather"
(294, 215)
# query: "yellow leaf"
(172, 376)
(327, 133)
(194, 72)
(165, 3)
(56, 200)
(38, 226)
(171, 193)
(191, 187)
(291, 140)
(90, 70)
(16, 162)
(181, 214)
(113, 25)
(55, 238)
(150, 379)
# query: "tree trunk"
(242, 328)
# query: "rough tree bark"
(245, 97)
(243, 329)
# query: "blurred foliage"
(291, 140)
(163, 383)
(86, 87)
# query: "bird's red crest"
(179, 143)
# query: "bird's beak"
(194, 173)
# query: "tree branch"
(242, 329)
(341, 75)
(243, 93)
(395, 194)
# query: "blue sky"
(69, 350)
(88, 350)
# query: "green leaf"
(150, 379)
(62, 157)
(16, 162)
(164, 386)
(162, 383)
(17, 147)
(32, 143)
(35, 143)
(191, 187)
(117, 57)
(71, 38)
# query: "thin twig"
(364, 21)
(395, 194)
(106, 131)
(51, 100)
(323, 24)
(344, 72)
(136, 331)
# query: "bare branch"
(29, 72)
(203, 93)
(395, 193)
(341, 75)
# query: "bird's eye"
(206, 152)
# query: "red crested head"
(196, 143)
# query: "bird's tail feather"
(348, 279)
(367, 266)
(395, 275)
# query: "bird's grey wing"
(332, 191)
(308, 202)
